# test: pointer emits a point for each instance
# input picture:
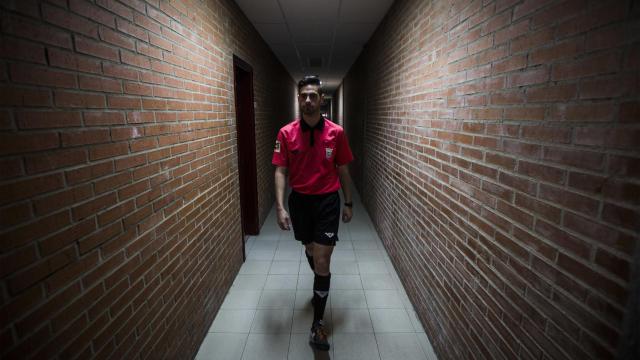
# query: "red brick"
(18, 259)
(601, 112)
(135, 60)
(525, 113)
(116, 8)
(550, 54)
(84, 137)
(66, 237)
(39, 271)
(96, 239)
(47, 119)
(614, 264)
(606, 287)
(552, 93)
(547, 133)
(592, 65)
(133, 30)
(510, 64)
(587, 182)
(59, 200)
(99, 84)
(513, 31)
(112, 182)
(108, 150)
(27, 188)
(69, 21)
(621, 216)
(92, 12)
(89, 172)
(26, 28)
(22, 50)
(31, 74)
(97, 49)
(611, 87)
(103, 118)
(123, 102)
(93, 206)
(542, 172)
(160, 42)
(616, 138)
(570, 200)
(523, 149)
(564, 240)
(24, 97)
(71, 61)
(120, 71)
(578, 158)
(71, 272)
(532, 40)
(137, 89)
(77, 99)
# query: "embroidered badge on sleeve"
(277, 148)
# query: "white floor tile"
(281, 282)
(241, 299)
(233, 321)
(281, 299)
(284, 267)
(267, 313)
(351, 321)
(299, 348)
(355, 347)
(266, 347)
(342, 267)
(346, 282)
(255, 267)
(403, 346)
(348, 299)
(378, 282)
(391, 320)
(372, 267)
(222, 346)
(272, 321)
(249, 282)
(388, 299)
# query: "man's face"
(309, 99)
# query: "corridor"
(267, 313)
(496, 151)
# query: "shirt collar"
(306, 127)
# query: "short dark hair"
(310, 80)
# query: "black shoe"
(318, 337)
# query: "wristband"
(348, 204)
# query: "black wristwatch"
(348, 204)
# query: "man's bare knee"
(309, 248)
(322, 265)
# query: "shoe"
(318, 337)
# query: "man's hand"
(283, 219)
(347, 213)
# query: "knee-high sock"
(310, 259)
(321, 286)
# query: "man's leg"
(308, 251)
(322, 279)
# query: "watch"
(348, 204)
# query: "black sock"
(310, 259)
(320, 294)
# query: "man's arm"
(282, 214)
(345, 183)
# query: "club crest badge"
(328, 152)
(277, 148)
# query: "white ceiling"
(332, 31)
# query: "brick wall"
(119, 206)
(499, 146)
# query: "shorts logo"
(277, 148)
(329, 235)
(328, 152)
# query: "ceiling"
(319, 37)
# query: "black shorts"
(315, 218)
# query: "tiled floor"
(267, 313)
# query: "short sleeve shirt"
(312, 167)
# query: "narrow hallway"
(267, 312)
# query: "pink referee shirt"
(312, 169)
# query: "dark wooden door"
(245, 127)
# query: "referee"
(314, 152)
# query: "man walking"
(314, 152)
